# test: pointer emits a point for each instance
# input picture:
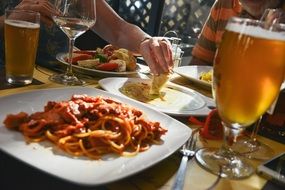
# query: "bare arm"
(115, 30)
(112, 27)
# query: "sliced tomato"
(88, 52)
(77, 57)
(107, 66)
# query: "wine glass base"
(66, 80)
(253, 149)
(223, 163)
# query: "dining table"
(14, 174)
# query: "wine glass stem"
(231, 134)
(70, 51)
(253, 135)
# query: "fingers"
(157, 54)
(44, 7)
(47, 21)
(167, 53)
(147, 55)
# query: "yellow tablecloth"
(162, 175)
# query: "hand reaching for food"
(157, 53)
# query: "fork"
(188, 150)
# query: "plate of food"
(199, 74)
(108, 61)
(92, 132)
(173, 99)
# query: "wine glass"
(75, 17)
(245, 84)
(250, 146)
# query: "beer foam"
(255, 31)
(22, 24)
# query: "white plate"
(94, 72)
(83, 170)
(193, 73)
(185, 102)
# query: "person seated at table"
(204, 51)
(155, 50)
(52, 39)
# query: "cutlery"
(188, 151)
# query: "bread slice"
(158, 81)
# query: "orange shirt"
(213, 29)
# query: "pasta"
(89, 126)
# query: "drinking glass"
(175, 41)
(74, 18)
(21, 31)
(245, 84)
(250, 146)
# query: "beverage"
(21, 41)
(248, 71)
(73, 27)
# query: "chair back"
(144, 13)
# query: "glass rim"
(23, 11)
(258, 22)
(31, 16)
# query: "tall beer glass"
(21, 31)
(248, 71)
(250, 146)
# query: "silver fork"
(188, 150)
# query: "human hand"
(44, 7)
(273, 16)
(157, 53)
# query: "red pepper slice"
(212, 127)
(88, 52)
(77, 57)
(107, 66)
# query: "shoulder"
(224, 9)
(230, 4)
(226, 6)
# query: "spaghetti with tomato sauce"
(89, 126)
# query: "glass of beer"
(21, 33)
(250, 146)
(248, 71)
